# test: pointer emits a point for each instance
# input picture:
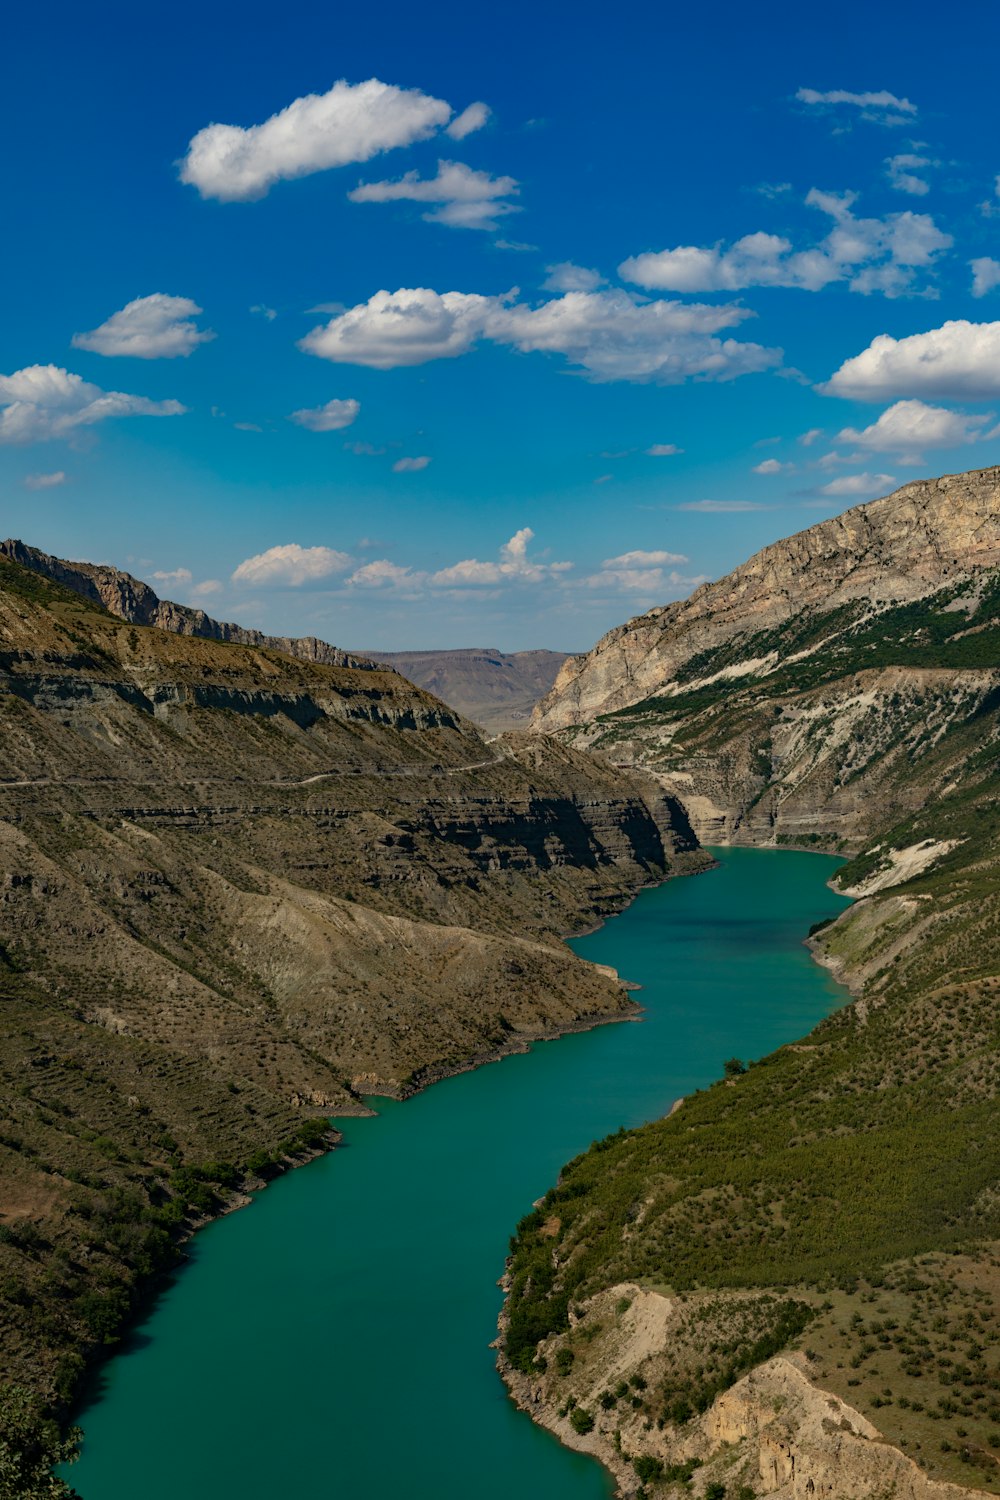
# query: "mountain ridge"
(892, 550)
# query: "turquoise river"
(333, 1339)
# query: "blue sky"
(465, 272)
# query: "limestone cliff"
(901, 548)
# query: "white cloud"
(985, 275)
(469, 199)
(44, 481)
(45, 401)
(332, 417)
(640, 572)
(910, 427)
(474, 117)
(610, 335)
(176, 575)
(859, 484)
(881, 107)
(808, 438)
(411, 465)
(206, 588)
(663, 450)
(902, 169)
(381, 573)
(959, 359)
(291, 564)
(564, 276)
(349, 123)
(248, 427)
(640, 559)
(264, 312)
(770, 466)
(155, 327)
(868, 254)
(408, 327)
(513, 566)
(720, 507)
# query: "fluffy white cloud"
(473, 117)
(881, 106)
(411, 465)
(902, 172)
(567, 277)
(513, 566)
(206, 588)
(349, 123)
(720, 507)
(808, 438)
(959, 359)
(155, 327)
(859, 484)
(408, 327)
(45, 401)
(291, 564)
(332, 417)
(176, 575)
(663, 450)
(44, 481)
(985, 275)
(869, 254)
(610, 335)
(770, 466)
(910, 427)
(469, 199)
(381, 573)
(268, 313)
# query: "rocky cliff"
(925, 535)
(131, 599)
(799, 700)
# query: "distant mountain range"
(497, 689)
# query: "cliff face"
(804, 699)
(902, 548)
(239, 888)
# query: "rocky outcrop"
(774, 1432)
(901, 548)
(132, 600)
